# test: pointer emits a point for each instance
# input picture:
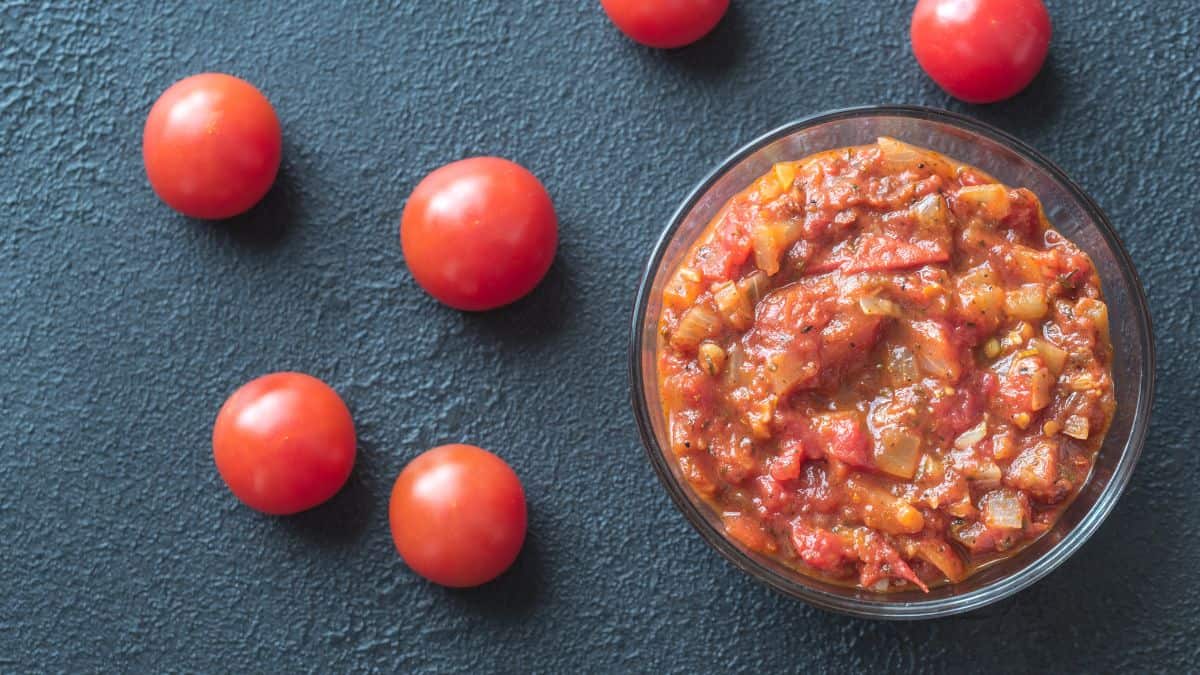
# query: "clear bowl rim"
(864, 606)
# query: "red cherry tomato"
(458, 515)
(479, 233)
(284, 443)
(211, 146)
(665, 23)
(981, 51)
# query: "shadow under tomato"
(344, 518)
(268, 222)
(535, 317)
(1034, 108)
(718, 51)
(512, 594)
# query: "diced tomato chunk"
(844, 437)
(786, 466)
(730, 247)
(846, 343)
(820, 548)
(735, 459)
(814, 490)
(690, 389)
(697, 471)
(1024, 389)
(772, 496)
(1035, 470)
(747, 530)
(1024, 215)
(806, 336)
(795, 440)
(954, 413)
(736, 241)
(877, 253)
(881, 560)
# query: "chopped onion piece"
(1039, 389)
(1002, 509)
(873, 305)
(785, 173)
(1077, 426)
(768, 243)
(942, 556)
(882, 510)
(1083, 382)
(930, 469)
(1026, 302)
(931, 212)
(1095, 310)
(901, 365)
(898, 152)
(768, 188)
(979, 293)
(735, 358)
(972, 436)
(1054, 357)
(986, 472)
(935, 353)
(1029, 265)
(683, 289)
(992, 198)
(937, 366)
(727, 296)
(697, 325)
(898, 452)
(754, 287)
(787, 369)
(962, 508)
(900, 156)
(759, 417)
(1003, 446)
(970, 533)
(734, 305)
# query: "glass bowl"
(1070, 211)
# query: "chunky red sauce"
(883, 368)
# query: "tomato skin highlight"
(212, 146)
(665, 24)
(981, 51)
(284, 443)
(479, 233)
(458, 515)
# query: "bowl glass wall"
(1068, 209)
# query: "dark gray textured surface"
(123, 326)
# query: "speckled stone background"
(123, 327)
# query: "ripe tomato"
(981, 50)
(284, 443)
(458, 515)
(479, 233)
(211, 146)
(665, 23)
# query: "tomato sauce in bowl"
(883, 368)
